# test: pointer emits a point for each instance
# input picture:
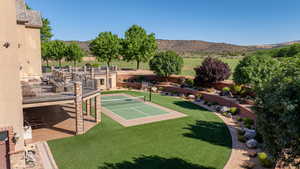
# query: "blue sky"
(243, 22)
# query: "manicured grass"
(191, 63)
(199, 141)
(188, 69)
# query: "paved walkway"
(239, 153)
(46, 156)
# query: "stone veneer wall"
(244, 110)
(174, 79)
(17, 158)
(133, 85)
(78, 108)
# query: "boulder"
(252, 153)
(191, 96)
(252, 143)
(248, 165)
(223, 109)
(249, 134)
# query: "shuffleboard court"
(129, 110)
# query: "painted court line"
(139, 111)
(170, 114)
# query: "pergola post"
(84, 69)
(107, 78)
(78, 108)
(98, 102)
(88, 107)
(92, 73)
(70, 69)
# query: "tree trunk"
(74, 63)
(137, 64)
(108, 63)
(47, 61)
(59, 64)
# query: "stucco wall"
(113, 77)
(11, 113)
(31, 52)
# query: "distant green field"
(188, 69)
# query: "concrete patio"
(58, 122)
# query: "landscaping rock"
(224, 109)
(249, 134)
(191, 96)
(248, 165)
(251, 143)
(252, 154)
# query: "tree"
(74, 53)
(46, 55)
(138, 46)
(256, 70)
(57, 50)
(106, 47)
(278, 107)
(166, 63)
(46, 30)
(212, 70)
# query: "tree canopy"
(57, 50)
(212, 70)
(278, 108)
(74, 53)
(138, 46)
(106, 47)
(166, 63)
(46, 30)
(256, 70)
(46, 55)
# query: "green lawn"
(188, 69)
(199, 141)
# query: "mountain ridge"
(199, 47)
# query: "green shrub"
(233, 110)
(237, 89)
(214, 103)
(248, 126)
(277, 111)
(239, 119)
(95, 65)
(241, 132)
(248, 122)
(189, 82)
(160, 88)
(209, 104)
(242, 139)
(256, 70)
(212, 70)
(265, 160)
(199, 96)
(226, 89)
(165, 64)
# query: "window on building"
(102, 81)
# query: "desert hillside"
(196, 47)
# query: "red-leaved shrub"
(212, 70)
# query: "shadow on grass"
(153, 162)
(212, 132)
(188, 105)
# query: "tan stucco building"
(29, 44)
(20, 59)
